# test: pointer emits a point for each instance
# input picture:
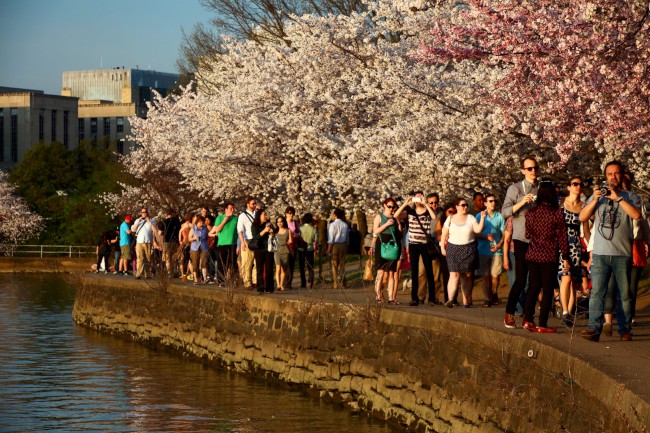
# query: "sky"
(39, 39)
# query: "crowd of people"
(556, 244)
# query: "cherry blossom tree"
(17, 222)
(341, 113)
(574, 74)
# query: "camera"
(416, 200)
(604, 190)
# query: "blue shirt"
(125, 238)
(494, 225)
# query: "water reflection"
(57, 377)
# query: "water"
(58, 377)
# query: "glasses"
(576, 183)
(390, 207)
(462, 205)
(433, 202)
(535, 168)
(280, 221)
(144, 211)
(491, 201)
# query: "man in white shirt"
(143, 229)
(337, 247)
(245, 233)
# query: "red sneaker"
(530, 326)
(509, 321)
(626, 337)
(545, 330)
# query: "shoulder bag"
(432, 246)
(390, 250)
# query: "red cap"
(128, 218)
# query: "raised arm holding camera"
(614, 210)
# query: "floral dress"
(572, 221)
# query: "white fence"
(49, 251)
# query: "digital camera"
(604, 189)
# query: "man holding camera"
(520, 197)
(614, 211)
(144, 229)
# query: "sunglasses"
(576, 183)
(536, 168)
(390, 207)
(433, 202)
(144, 211)
(462, 205)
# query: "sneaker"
(105, 272)
(530, 326)
(590, 334)
(509, 321)
(545, 330)
(115, 273)
(626, 337)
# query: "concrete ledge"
(421, 372)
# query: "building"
(108, 97)
(28, 116)
(93, 105)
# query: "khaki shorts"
(490, 265)
(126, 252)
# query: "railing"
(48, 251)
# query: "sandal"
(393, 302)
(380, 302)
(487, 304)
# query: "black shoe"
(414, 303)
(567, 320)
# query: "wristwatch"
(619, 199)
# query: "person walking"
(457, 245)
(337, 245)
(309, 237)
(144, 229)
(546, 230)
(613, 235)
(520, 197)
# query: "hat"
(128, 218)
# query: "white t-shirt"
(461, 234)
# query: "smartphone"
(416, 200)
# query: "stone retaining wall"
(421, 372)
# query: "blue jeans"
(602, 268)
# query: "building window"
(53, 125)
(93, 127)
(2, 134)
(82, 129)
(66, 116)
(120, 147)
(120, 125)
(14, 135)
(41, 125)
(107, 126)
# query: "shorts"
(490, 265)
(126, 252)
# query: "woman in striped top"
(420, 220)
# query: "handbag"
(390, 250)
(273, 244)
(254, 244)
(367, 271)
(432, 246)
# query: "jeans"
(521, 280)
(602, 268)
(306, 265)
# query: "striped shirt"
(416, 234)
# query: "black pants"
(226, 263)
(306, 258)
(542, 276)
(264, 269)
(521, 276)
(104, 257)
(415, 252)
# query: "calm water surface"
(58, 377)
